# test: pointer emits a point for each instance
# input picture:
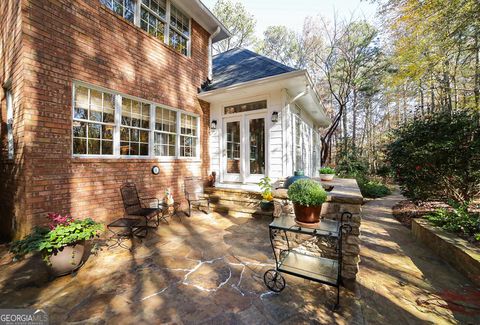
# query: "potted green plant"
(307, 196)
(267, 198)
(327, 173)
(62, 244)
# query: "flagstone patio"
(206, 269)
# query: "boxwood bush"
(307, 192)
(438, 157)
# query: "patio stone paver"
(401, 281)
(208, 269)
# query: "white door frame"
(243, 118)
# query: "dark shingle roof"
(242, 65)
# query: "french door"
(244, 148)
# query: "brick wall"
(12, 176)
(67, 40)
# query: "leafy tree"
(280, 44)
(438, 157)
(238, 21)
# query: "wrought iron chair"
(134, 208)
(194, 193)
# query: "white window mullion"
(152, 130)
(118, 123)
(189, 42)
(10, 113)
(177, 144)
(167, 24)
(136, 17)
(197, 152)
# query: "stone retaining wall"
(345, 197)
(456, 251)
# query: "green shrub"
(350, 165)
(459, 220)
(307, 192)
(438, 157)
(327, 170)
(373, 189)
(48, 241)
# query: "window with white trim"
(188, 136)
(10, 143)
(114, 125)
(298, 144)
(123, 8)
(165, 132)
(160, 18)
(93, 122)
(134, 132)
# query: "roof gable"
(242, 65)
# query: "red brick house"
(86, 84)
(95, 93)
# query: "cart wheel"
(274, 280)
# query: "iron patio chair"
(195, 194)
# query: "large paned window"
(93, 122)
(153, 17)
(160, 18)
(10, 143)
(124, 8)
(179, 30)
(188, 136)
(134, 133)
(113, 125)
(165, 132)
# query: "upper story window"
(113, 125)
(124, 8)
(160, 18)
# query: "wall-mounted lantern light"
(274, 117)
(213, 125)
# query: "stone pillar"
(344, 197)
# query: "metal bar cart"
(325, 270)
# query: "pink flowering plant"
(62, 231)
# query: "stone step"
(232, 193)
(236, 210)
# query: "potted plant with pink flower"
(62, 244)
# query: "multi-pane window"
(298, 144)
(10, 144)
(159, 18)
(124, 8)
(247, 107)
(188, 135)
(165, 132)
(134, 133)
(153, 17)
(93, 122)
(105, 124)
(179, 31)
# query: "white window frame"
(137, 22)
(10, 120)
(155, 131)
(118, 124)
(179, 134)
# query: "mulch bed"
(406, 210)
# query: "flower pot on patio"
(67, 259)
(266, 206)
(307, 214)
(307, 196)
(327, 173)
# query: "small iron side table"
(125, 228)
(170, 210)
(307, 266)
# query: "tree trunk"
(354, 120)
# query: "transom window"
(241, 108)
(160, 18)
(108, 124)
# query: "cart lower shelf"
(313, 268)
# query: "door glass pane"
(257, 146)
(233, 147)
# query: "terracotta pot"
(327, 177)
(306, 214)
(69, 259)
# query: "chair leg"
(208, 206)
(189, 209)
